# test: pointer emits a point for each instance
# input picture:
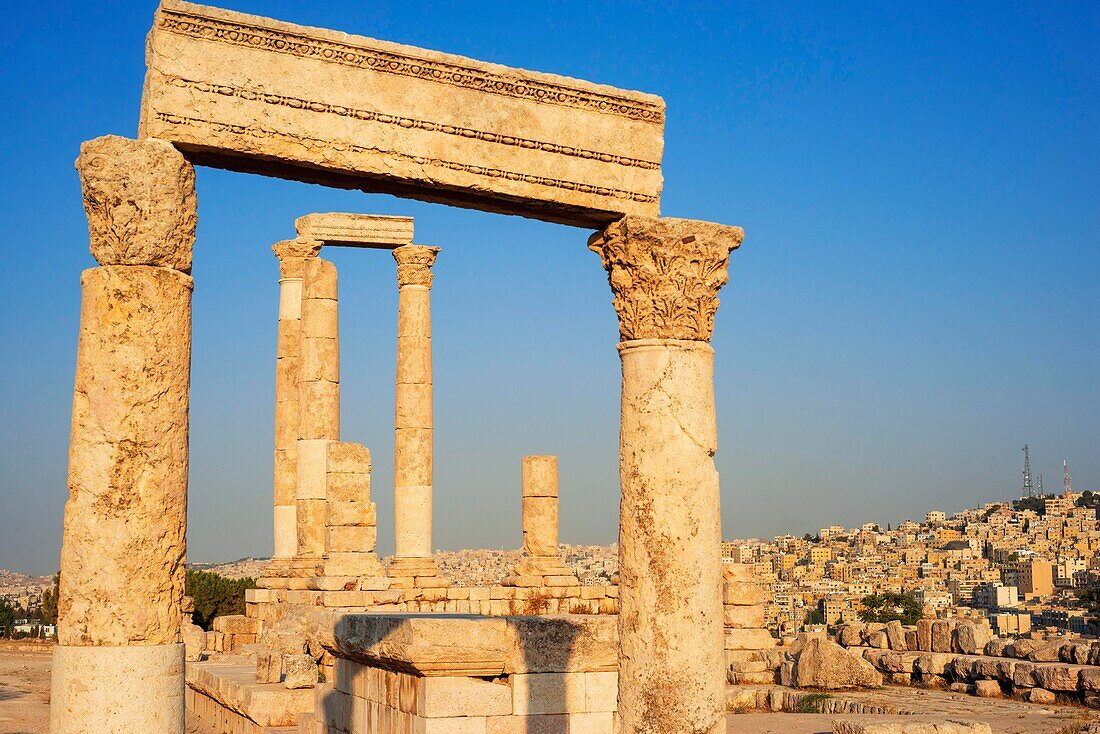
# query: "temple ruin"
(400, 648)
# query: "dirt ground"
(24, 691)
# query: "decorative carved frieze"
(666, 274)
(249, 93)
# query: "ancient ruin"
(252, 94)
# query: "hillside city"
(1028, 563)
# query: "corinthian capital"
(666, 274)
(414, 264)
(293, 254)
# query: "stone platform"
(225, 695)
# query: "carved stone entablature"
(666, 274)
(414, 264)
(139, 196)
(293, 254)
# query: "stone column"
(119, 662)
(413, 416)
(665, 274)
(292, 255)
(540, 505)
(318, 403)
(541, 565)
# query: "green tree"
(215, 595)
(815, 616)
(7, 618)
(49, 601)
(889, 606)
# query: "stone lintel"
(252, 94)
(356, 230)
(470, 645)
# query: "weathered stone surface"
(824, 664)
(895, 634)
(851, 635)
(971, 638)
(299, 671)
(1057, 677)
(414, 420)
(1040, 695)
(139, 196)
(194, 641)
(269, 667)
(239, 91)
(987, 689)
(666, 274)
(671, 624)
(128, 460)
(924, 635)
(134, 688)
(940, 727)
(356, 230)
(941, 636)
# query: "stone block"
(1057, 677)
(269, 667)
(591, 723)
(438, 697)
(299, 671)
(601, 691)
(351, 539)
(749, 639)
(987, 689)
(361, 564)
(547, 693)
(236, 624)
(356, 230)
(743, 593)
(345, 457)
(239, 91)
(352, 513)
(743, 617)
(312, 469)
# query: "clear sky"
(917, 296)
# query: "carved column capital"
(139, 196)
(293, 254)
(666, 274)
(414, 264)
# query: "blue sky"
(916, 298)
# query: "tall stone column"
(665, 274)
(318, 404)
(413, 424)
(119, 662)
(292, 255)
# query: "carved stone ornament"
(666, 274)
(414, 264)
(139, 196)
(293, 254)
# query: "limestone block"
(1057, 677)
(312, 465)
(924, 635)
(352, 513)
(318, 410)
(1040, 695)
(561, 644)
(824, 664)
(1048, 653)
(348, 488)
(878, 640)
(971, 639)
(240, 91)
(850, 635)
(547, 693)
(591, 723)
(987, 689)
(235, 624)
(346, 457)
(748, 639)
(911, 641)
(539, 476)
(269, 667)
(941, 636)
(194, 641)
(352, 539)
(600, 691)
(458, 725)
(449, 697)
(947, 726)
(299, 671)
(319, 280)
(139, 196)
(895, 636)
(540, 526)
(128, 459)
(743, 617)
(353, 564)
(356, 230)
(311, 527)
(414, 406)
(738, 593)
(320, 360)
(413, 457)
(1024, 675)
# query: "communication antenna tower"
(1039, 483)
(1029, 489)
(1066, 486)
